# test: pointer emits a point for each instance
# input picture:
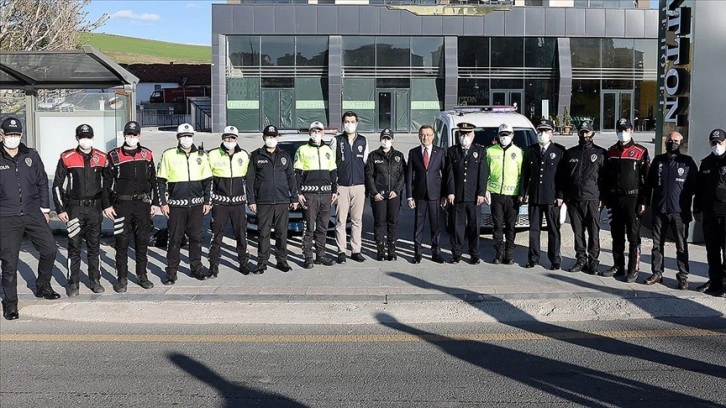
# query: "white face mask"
(85, 143)
(386, 143)
(505, 140)
(465, 141)
(718, 149)
(132, 141)
(229, 145)
(624, 137)
(350, 127)
(316, 138)
(186, 142)
(11, 142)
(543, 138)
(271, 142)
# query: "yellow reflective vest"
(505, 169)
(229, 173)
(183, 179)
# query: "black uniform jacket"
(83, 173)
(23, 183)
(711, 190)
(672, 184)
(583, 173)
(130, 174)
(626, 171)
(466, 175)
(542, 177)
(271, 177)
(385, 172)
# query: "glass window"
(393, 82)
(278, 51)
(617, 53)
(244, 50)
(393, 52)
(473, 91)
(312, 51)
(507, 52)
(473, 52)
(585, 102)
(585, 52)
(646, 54)
(540, 52)
(427, 51)
(359, 51)
(278, 82)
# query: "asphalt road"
(638, 363)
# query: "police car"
(290, 141)
(487, 120)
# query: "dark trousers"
(625, 222)
(504, 217)
(585, 216)
(269, 216)
(317, 217)
(714, 232)
(423, 209)
(132, 218)
(238, 217)
(37, 230)
(184, 220)
(465, 217)
(661, 223)
(89, 229)
(551, 214)
(385, 220)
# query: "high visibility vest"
(223, 167)
(505, 169)
(175, 166)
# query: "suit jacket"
(466, 175)
(423, 183)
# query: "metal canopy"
(85, 68)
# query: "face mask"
(132, 141)
(718, 149)
(350, 127)
(672, 146)
(386, 143)
(465, 141)
(11, 142)
(543, 138)
(505, 140)
(624, 137)
(271, 142)
(85, 143)
(186, 142)
(229, 145)
(316, 138)
(585, 139)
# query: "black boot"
(380, 252)
(392, 251)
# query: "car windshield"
(486, 137)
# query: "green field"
(129, 50)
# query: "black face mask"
(585, 139)
(672, 147)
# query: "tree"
(39, 25)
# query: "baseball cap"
(624, 123)
(386, 133)
(504, 128)
(230, 131)
(584, 128)
(132, 128)
(84, 131)
(465, 126)
(545, 124)
(270, 130)
(717, 135)
(316, 125)
(11, 126)
(185, 129)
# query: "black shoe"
(508, 261)
(199, 275)
(555, 267)
(169, 280)
(682, 284)
(438, 258)
(577, 267)
(705, 287)
(341, 258)
(416, 259)
(455, 259)
(497, 260)
(245, 268)
(144, 282)
(720, 292)
(380, 252)
(308, 263)
(10, 310)
(653, 279)
(283, 266)
(475, 260)
(592, 268)
(357, 257)
(72, 290)
(631, 277)
(392, 252)
(614, 270)
(213, 271)
(323, 260)
(96, 287)
(530, 264)
(121, 284)
(47, 293)
(261, 268)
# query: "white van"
(487, 120)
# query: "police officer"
(317, 178)
(24, 211)
(504, 165)
(385, 179)
(130, 199)
(626, 170)
(229, 170)
(183, 179)
(583, 179)
(542, 188)
(272, 193)
(672, 180)
(77, 191)
(710, 207)
(466, 183)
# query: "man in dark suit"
(466, 186)
(424, 174)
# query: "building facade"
(398, 63)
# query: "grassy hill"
(129, 50)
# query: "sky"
(183, 21)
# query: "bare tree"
(37, 25)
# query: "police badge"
(360, 149)
(95, 159)
(552, 155)
(681, 171)
(631, 153)
(398, 159)
(475, 154)
(143, 153)
(327, 156)
(240, 161)
(514, 155)
(29, 161)
(283, 161)
(593, 158)
(199, 160)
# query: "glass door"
(507, 97)
(385, 109)
(615, 105)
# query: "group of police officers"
(126, 186)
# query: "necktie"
(426, 157)
(542, 151)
